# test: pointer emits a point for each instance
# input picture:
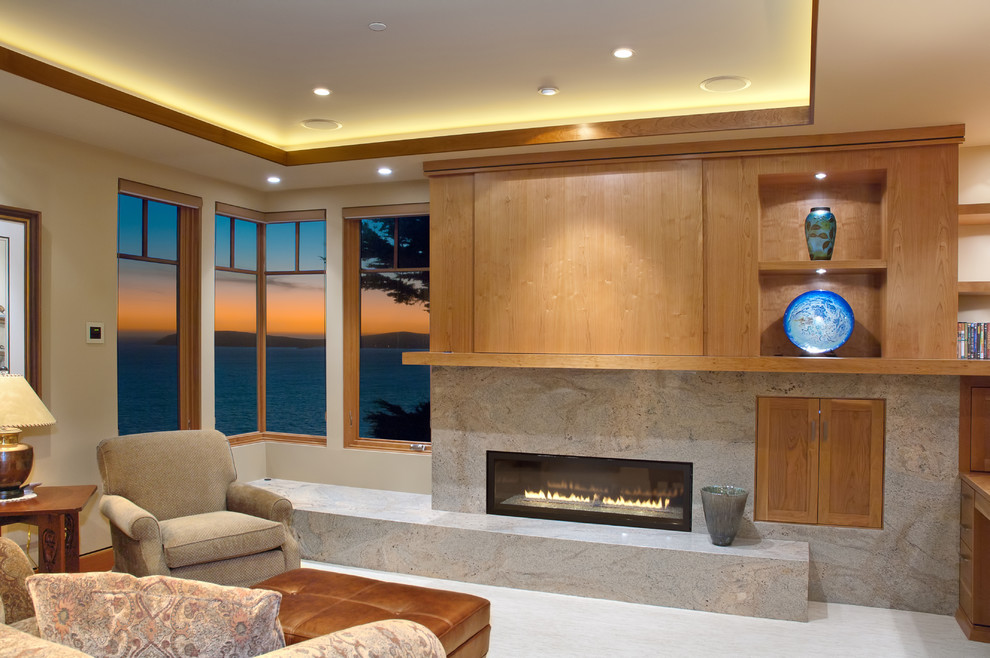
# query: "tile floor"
(535, 624)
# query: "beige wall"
(74, 187)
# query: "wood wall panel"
(601, 259)
(732, 319)
(451, 263)
(923, 243)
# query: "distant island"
(401, 340)
(247, 339)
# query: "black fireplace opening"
(630, 492)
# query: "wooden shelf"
(832, 266)
(974, 287)
(832, 365)
(974, 213)
(981, 483)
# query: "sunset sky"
(379, 315)
(147, 302)
(146, 299)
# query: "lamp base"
(10, 494)
(16, 460)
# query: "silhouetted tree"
(393, 422)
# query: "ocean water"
(296, 390)
(147, 386)
(383, 377)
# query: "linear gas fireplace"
(632, 492)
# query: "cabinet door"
(787, 460)
(980, 429)
(850, 463)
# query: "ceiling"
(461, 77)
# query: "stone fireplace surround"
(709, 418)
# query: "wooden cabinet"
(974, 557)
(688, 250)
(973, 614)
(820, 461)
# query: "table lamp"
(20, 407)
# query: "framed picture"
(20, 232)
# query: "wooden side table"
(55, 511)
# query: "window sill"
(277, 437)
(390, 446)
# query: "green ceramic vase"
(819, 231)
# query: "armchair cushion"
(217, 536)
(112, 614)
(15, 602)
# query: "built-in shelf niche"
(974, 238)
(857, 270)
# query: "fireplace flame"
(621, 501)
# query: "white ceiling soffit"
(443, 76)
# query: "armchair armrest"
(392, 637)
(247, 499)
(133, 521)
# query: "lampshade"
(20, 406)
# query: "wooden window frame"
(351, 281)
(188, 291)
(262, 219)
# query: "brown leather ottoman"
(316, 602)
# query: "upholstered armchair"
(175, 509)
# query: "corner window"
(270, 340)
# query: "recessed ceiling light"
(820, 175)
(548, 91)
(377, 27)
(384, 171)
(725, 83)
(321, 124)
(821, 270)
(322, 91)
(274, 179)
(623, 53)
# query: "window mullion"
(262, 330)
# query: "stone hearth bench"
(316, 603)
(401, 533)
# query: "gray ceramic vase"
(724, 506)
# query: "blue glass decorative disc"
(818, 321)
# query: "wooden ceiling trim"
(579, 132)
(727, 148)
(52, 76)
